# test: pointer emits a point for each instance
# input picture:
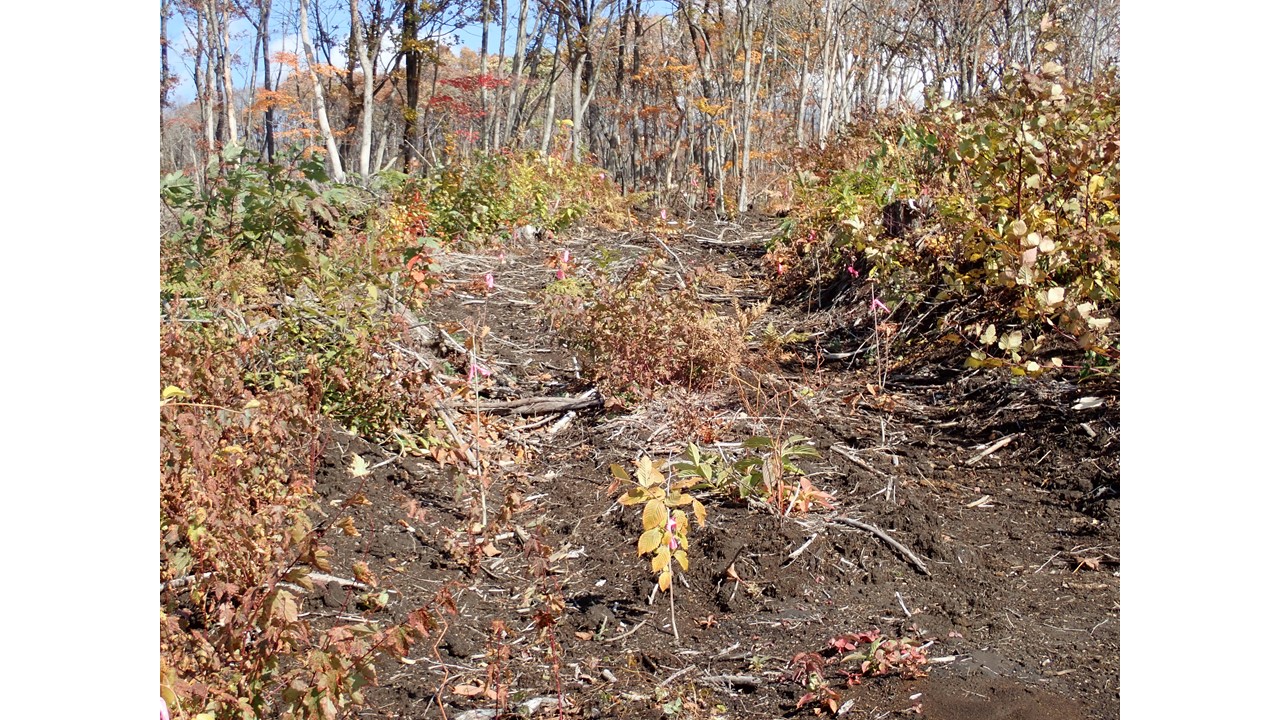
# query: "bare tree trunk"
(828, 57)
(366, 107)
(164, 64)
(550, 119)
(517, 69)
(269, 122)
(204, 89)
(220, 35)
(412, 81)
(486, 17)
(495, 118)
(228, 89)
(322, 115)
(746, 28)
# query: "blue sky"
(242, 37)
(335, 15)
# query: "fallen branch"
(562, 423)
(465, 449)
(902, 549)
(179, 583)
(677, 674)
(851, 454)
(543, 405)
(800, 550)
(993, 447)
(616, 638)
(747, 681)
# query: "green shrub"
(1026, 185)
(473, 200)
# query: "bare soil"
(1019, 613)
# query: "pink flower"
(671, 529)
(488, 281)
(877, 305)
(564, 256)
(663, 214)
(601, 177)
(164, 710)
(477, 369)
(559, 273)
(782, 269)
(852, 271)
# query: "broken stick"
(902, 549)
(544, 405)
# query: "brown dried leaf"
(360, 570)
(348, 526)
(468, 690)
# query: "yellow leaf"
(682, 523)
(700, 513)
(661, 559)
(664, 580)
(682, 557)
(649, 541)
(646, 474)
(633, 496)
(359, 467)
(655, 515)
(172, 391)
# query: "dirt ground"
(1007, 491)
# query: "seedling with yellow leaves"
(666, 529)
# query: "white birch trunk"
(322, 116)
(366, 67)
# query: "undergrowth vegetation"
(494, 194)
(287, 303)
(283, 297)
(637, 334)
(1023, 251)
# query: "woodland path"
(1008, 493)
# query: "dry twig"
(902, 549)
(992, 448)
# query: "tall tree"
(165, 83)
(322, 114)
(366, 105)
